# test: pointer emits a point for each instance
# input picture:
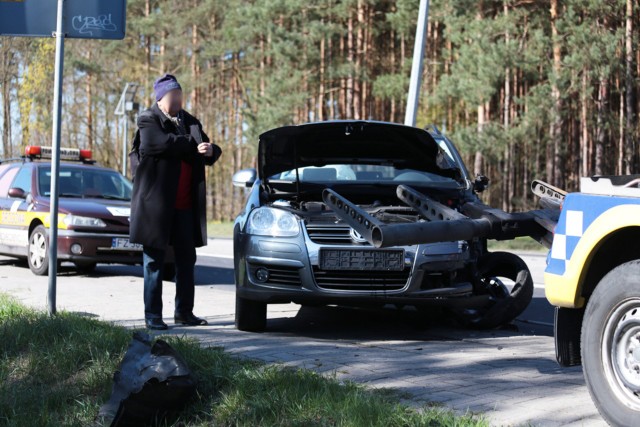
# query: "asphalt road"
(510, 375)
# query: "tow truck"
(593, 280)
(93, 212)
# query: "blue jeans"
(183, 243)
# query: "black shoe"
(189, 320)
(155, 324)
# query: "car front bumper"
(95, 247)
(293, 274)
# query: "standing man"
(168, 206)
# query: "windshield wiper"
(70, 195)
(106, 196)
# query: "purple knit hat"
(165, 84)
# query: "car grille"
(331, 234)
(280, 275)
(347, 280)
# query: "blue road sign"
(82, 19)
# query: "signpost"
(125, 108)
(417, 64)
(84, 19)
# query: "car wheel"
(611, 345)
(251, 315)
(85, 267)
(38, 256)
(504, 305)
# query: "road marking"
(216, 256)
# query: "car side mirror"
(17, 193)
(480, 183)
(244, 178)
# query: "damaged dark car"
(363, 213)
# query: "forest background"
(527, 89)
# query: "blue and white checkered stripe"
(565, 240)
(578, 213)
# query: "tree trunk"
(586, 158)
(350, 61)
(477, 163)
(195, 71)
(321, 88)
(555, 167)
(7, 77)
(601, 135)
(631, 152)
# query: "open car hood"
(348, 142)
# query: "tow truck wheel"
(611, 345)
(38, 256)
(504, 304)
(251, 316)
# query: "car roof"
(38, 163)
(78, 165)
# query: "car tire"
(504, 305)
(610, 347)
(85, 267)
(38, 251)
(251, 316)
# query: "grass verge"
(220, 229)
(57, 371)
(517, 244)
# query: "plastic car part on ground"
(152, 381)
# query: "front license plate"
(362, 259)
(124, 244)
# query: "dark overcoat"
(162, 150)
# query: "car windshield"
(377, 173)
(86, 182)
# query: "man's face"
(172, 101)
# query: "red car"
(94, 210)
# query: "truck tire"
(567, 326)
(611, 345)
(504, 305)
(38, 255)
(251, 316)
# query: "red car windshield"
(85, 182)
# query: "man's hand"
(205, 149)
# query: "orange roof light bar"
(32, 150)
(65, 153)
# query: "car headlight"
(272, 222)
(83, 221)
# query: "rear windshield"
(85, 182)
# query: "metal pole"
(55, 162)
(417, 64)
(124, 144)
